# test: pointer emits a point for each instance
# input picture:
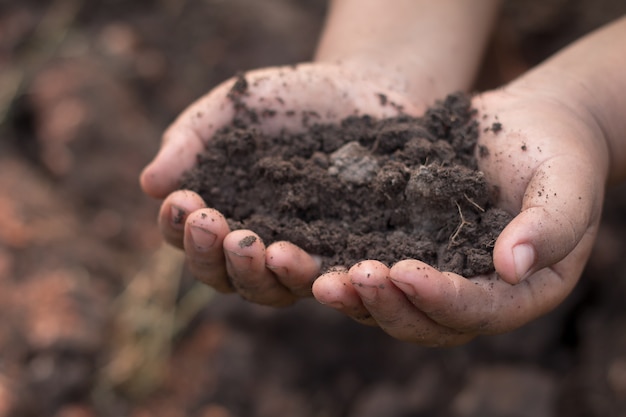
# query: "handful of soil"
(389, 189)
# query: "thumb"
(177, 154)
(562, 203)
(185, 139)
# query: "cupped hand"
(547, 159)
(283, 98)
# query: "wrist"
(413, 81)
(422, 49)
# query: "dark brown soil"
(391, 189)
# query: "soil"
(98, 319)
(391, 189)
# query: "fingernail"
(523, 258)
(366, 291)
(177, 217)
(278, 270)
(408, 289)
(202, 239)
(236, 257)
(337, 305)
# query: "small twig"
(190, 304)
(454, 236)
(473, 203)
(143, 326)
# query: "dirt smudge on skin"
(247, 241)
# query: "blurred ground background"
(97, 318)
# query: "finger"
(335, 290)
(556, 213)
(481, 305)
(293, 267)
(446, 298)
(393, 311)
(245, 264)
(185, 139)
(205, 230)
(173, 215)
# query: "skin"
(551, 174)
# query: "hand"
(549, 162)
(238, 260)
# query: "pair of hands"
(547, 163)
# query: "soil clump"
(389, 189)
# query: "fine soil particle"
(389, 189)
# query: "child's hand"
(549, 164)
(238, 260)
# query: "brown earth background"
(98, 318)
